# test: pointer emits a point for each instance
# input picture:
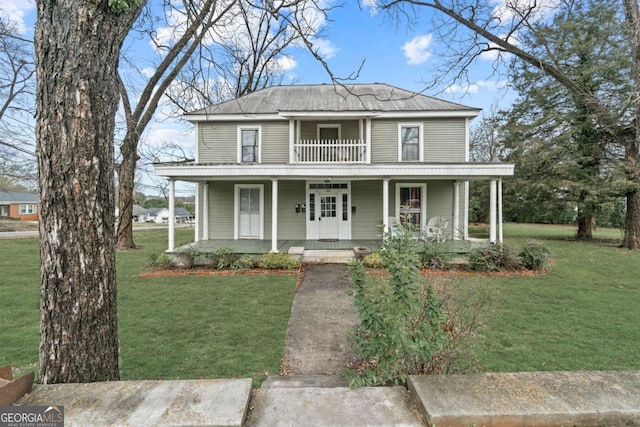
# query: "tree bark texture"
(77, 45)
(126, 181)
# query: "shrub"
(245, 262)
(401, 323)
(433, 257)
(373, 260)
(160, 260)
(278, 261)
(493, 258)
(224, 258)
(534, 256)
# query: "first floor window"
(249, 145)
(411, 205)
(27, 209)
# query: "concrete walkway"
(317, 349)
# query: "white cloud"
(287, 63)
(15, 11)
(536, 10)
(325, 48)
(157, 136)
(148, 72)
(492, 55)
(373, 5)
(417, 49)
(461, 89)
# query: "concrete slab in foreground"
(148, 403)
(339, 406)
(529, 399)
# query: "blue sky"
(392, 52)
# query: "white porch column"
(172, 215)
(205, 212)
(385, 204)
(367, 126)
(196, 225)
(274, 215)
(500, 233)
(292, 140)
(456, 210)
(466, 210)
(492, 210)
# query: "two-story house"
(316, 162)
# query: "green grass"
(582, 315)
(169, 327)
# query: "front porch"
(259, 247)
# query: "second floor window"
(249, 145)
(410, 142)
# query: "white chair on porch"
(435, 229)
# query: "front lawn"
(582, 315)
(169, 327)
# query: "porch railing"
(330, 151)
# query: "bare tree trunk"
(126, 177)
(585, 227)
(77, 48)
(632, 223)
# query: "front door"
(328, 217)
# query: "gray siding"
(221, 210)
(275, 142)
(291, 225)
(349, 129)
(366, 196)
(218, 142)
(444, 140)
(384, 141)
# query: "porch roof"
(460, 171)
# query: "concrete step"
(313, 256)
(148, 403)
(300, 381)
(588, 398)
(332, 406)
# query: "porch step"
(315, 256)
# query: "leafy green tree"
(474, 28)
(564, 158)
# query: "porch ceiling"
(460, 171)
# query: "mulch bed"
(178, 272)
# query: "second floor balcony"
(330, 151)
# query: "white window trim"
(239, 141)
(26, 209)
(420, 127)
(423, 208)
(236, 208)
(329, 126)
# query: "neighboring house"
(180, 215)
(152, 213)
(18, 205)
(140, 214)
(314, 162)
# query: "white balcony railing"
(330, 151)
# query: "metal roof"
(375, 97)
(17, 197)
